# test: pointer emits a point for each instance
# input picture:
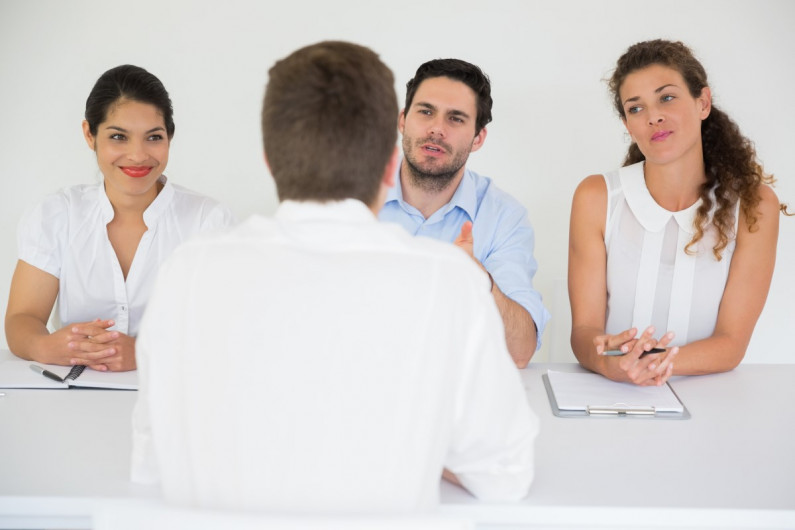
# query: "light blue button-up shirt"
(502, 234)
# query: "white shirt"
(651, 280)
(322, 361)
(66, 235)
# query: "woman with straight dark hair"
(96, 248)
(676, 249)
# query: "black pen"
(46, 373)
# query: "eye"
(456, 119)
(634, 109)
(155, 138)
(118, 136)
(667, 97)
(425, 112)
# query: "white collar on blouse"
(160, 205)
(649, 214)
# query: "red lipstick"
(136, 171)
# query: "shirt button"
(124, 308)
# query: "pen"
(46, 373)
(619, 352)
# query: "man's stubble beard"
(436, 180)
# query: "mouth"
(432, 149)
(661, 135)
(136, 171)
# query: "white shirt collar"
(649, 214)
(346, 211)
(161, 203)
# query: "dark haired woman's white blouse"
(66, 235)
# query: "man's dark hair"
(329, 123)
(457, 70)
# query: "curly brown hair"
(732, 170)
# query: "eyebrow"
(453, 112)
(657, 91)
(120, 129)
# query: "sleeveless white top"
(651, 280)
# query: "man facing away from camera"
(321, 361)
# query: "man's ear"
(387, 181)
(402, 120)
(480, 137)
(88, 136)
(388, 178)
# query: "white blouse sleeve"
(43, 233)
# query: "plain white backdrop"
(553, 122)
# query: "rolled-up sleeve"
(509, 256)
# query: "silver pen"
(46, 373)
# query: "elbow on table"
(733, 361)
(522, 352)
(503, 488)
(509, 476)
(729, 359)
(522, 362)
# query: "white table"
(732, 465)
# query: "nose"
(436, 127)
(137, 151)
(656, 117)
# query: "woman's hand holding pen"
(101, 349)
(635, 363)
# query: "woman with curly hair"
(680, 243)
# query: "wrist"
(40, 349)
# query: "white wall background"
(553, 123)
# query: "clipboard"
(589, 395)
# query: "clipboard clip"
(620, 409)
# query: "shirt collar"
(161, 203)
(395, 193)
(347, 210)
(651, 215)
(105, 207)
(152, 212)
(465, 196)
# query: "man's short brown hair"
(329, 122)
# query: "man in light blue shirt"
(448, 104)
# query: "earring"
(627, 138)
